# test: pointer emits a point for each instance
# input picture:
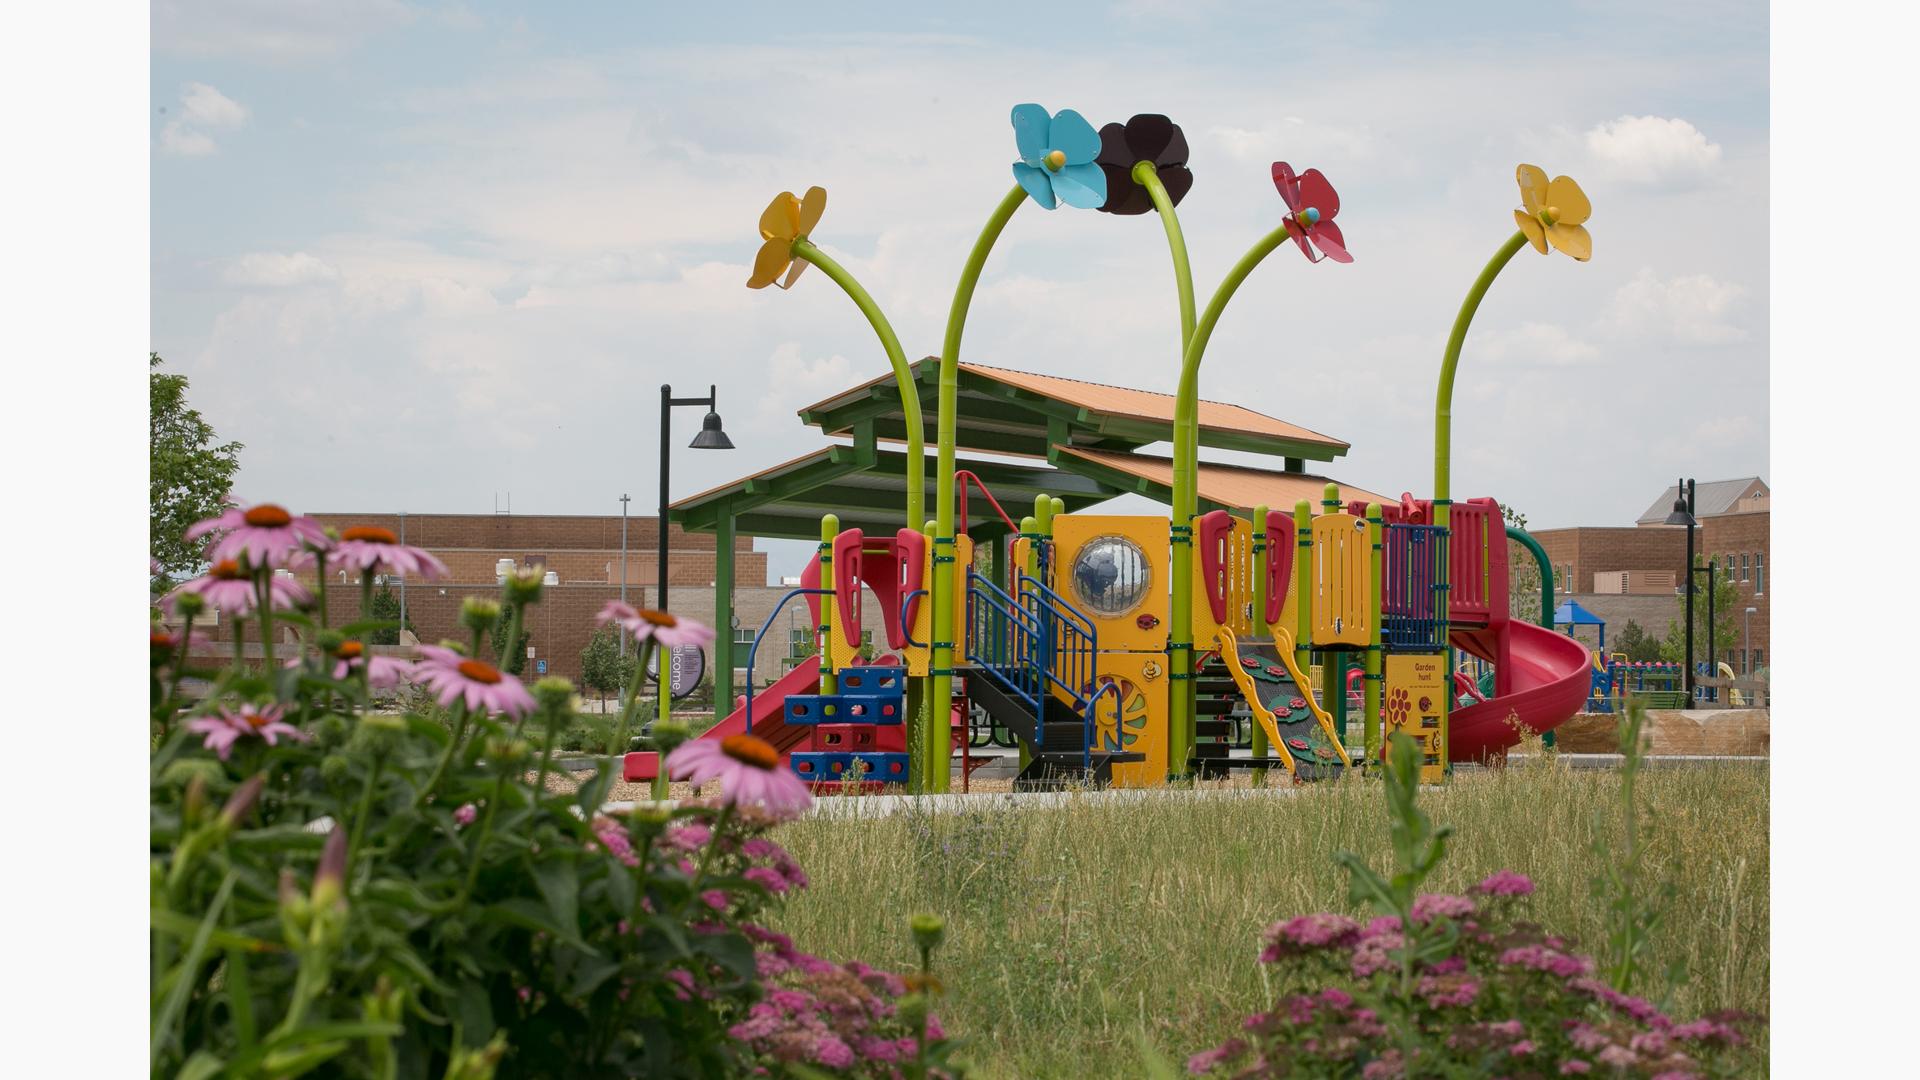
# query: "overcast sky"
(414, 255)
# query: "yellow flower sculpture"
(785, 220)
(1555, 212)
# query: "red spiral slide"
(1546, 682)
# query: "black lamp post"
(1683, 515)
(711, 437)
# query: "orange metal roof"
(1148, 405)
(1238, 486)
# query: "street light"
(710, 438)
(1746, 642)
(1683, 515)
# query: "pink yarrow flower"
(265, 533)
(368, 549)
(1505, 883)
(749, 772)
(464, 816)
(227, 727)
(228, 587)
(662, 627)
(452, 677)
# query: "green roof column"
(723, 615)
(1186, 453)
(902, 373)
(940, 688)
(1260, 625)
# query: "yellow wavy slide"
(1229, 647)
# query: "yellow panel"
(1143, 715)
(1415, 702)
(1121, 631)
(919, 659)
(1342, 581)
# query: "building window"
(1743, 569)
(1759, 575)
(1729, 566)
(742, 644)
(1758, 660)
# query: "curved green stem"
(1186, 453)
(1148, 177)
(902, 374)
(1443, 404)
(940, 688)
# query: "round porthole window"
(1111, 576)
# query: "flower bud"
(329, 880)
(479, 614)
(668, 734)
(240, 803)
(187, 604)
(507, 754)
(383, 1006)
(334, 769)
(554, 693)
(330, 731)
(379, 733)
(523, 585)
(648, 819)
(194, 803)
(455, 646)
(928, 931)
(329, 641)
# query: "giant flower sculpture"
(1057, 158)
(1313, 204)
(1146, 137)
(1555, 213)
(785, 220)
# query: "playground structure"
(1084, 639)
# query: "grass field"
(1075, 932)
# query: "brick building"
(1623, 573)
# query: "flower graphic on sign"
(1398, 706)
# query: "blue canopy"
(1572, 614)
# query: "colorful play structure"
(1121, 649)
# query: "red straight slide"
(768, 709)
(1547, 680)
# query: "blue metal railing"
(1002, 638)
(1035, 643)
(1119, 732)
(764, 627)
(1412, 588)
(1069, 642)
(906, 624)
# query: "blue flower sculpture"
(1057, 158)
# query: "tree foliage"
(1636, 644)
(189, 472)
(386, 607)
(1726, 621)
(1523, 573)
(602, 668)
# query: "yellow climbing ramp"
(1229, 647)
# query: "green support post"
(829, 528)
(923, 740)
(1370, 722)
(1029, 528)
(1259, 748)
(940, 686)
(1546, 592)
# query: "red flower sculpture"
(1313, 204)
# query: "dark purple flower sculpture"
(1146, 137)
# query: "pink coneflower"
(228, 727)
(453, 677)
(371, 549)
(749, 772)
(165, 643)
(228, 587)
(350, 659)
(265, 533)
(663, 627)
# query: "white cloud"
(1534, 343)
(271, 269)
(281, 30)
(1696, 309)
(201, 108)
(1653, 150)
(176, 139)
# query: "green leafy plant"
(1634, 905)
(189, 473)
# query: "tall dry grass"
(1075, 931)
